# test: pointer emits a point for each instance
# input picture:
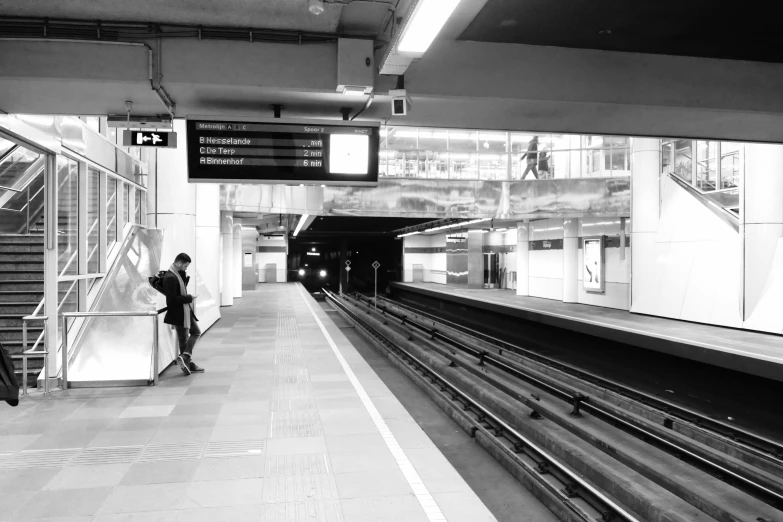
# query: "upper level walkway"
(288, 423)
(750, 352)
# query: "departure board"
(279, 151)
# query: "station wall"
(430, 253)
(271, 251)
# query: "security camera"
(399, 102)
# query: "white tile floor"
(288, 423)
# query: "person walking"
(180, 312)
(532, 158)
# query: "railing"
(26, 354)
(155, 339)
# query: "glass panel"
(683, 156)
(5, 146)
(706, 172)
(67, 215)
(21, 169)
(137, 209)
(126, 215)
(619, 160)
(433, 164)
(463, 140)
(667, 157)
(493, 166)
(401, 138)
(68, 297)
(729, 165)
(111, 213)
(435, 140)
(463, 165)
(492, 141)
(17, 168)
(93, 230)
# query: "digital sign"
(282, 151)
(593, 264)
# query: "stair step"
(21, 257)
(15, 335)
(17, 275)
(21, 266)
(14, 239)
(22, 307)
(35, 285)
(7, 296)
(22, 247)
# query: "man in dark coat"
(180, 312)
(9, 386)
(532, 158)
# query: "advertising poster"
(593, 264)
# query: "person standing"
(532, 158)
(180, 313)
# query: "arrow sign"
(149, 139)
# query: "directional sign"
(376, 265)
(149, 139)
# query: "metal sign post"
(348, 272)
(375, 265)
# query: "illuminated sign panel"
(133, 138)
(278, 151)
(593, 264)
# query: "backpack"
(156, 281)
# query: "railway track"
(738, 473)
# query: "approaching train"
(317, 275)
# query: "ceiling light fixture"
(316, 7)
(424, 24)
(300, 224)
(351, 90)
(408, 234)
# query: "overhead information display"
(279, 151)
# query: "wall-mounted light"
(316, 7)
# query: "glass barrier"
(21, 188)
(412, 152)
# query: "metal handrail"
(28, 353)
(3, 187)
(155, 338)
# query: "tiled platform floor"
(275, 430)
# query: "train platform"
(741, 350)
(288, 423)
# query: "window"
(730, 162)
(93, 231)
(111, 213)
(137, 209)
(126, 209)
(67, 215)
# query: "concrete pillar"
(237, 251)
(207, 280)
(570, 260)
(761, 217)
(227, 258)
(475, 258)
(523, 262)
(645, 210)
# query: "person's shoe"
(195, 368)
(183, 365)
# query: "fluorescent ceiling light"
(408, 234)
(351, 90)
(301, 222)
(424, 24)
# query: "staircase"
(21, 289)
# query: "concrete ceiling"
(270, 14)
(701, 28)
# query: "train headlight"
(322, 273)
(301, 271)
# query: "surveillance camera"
(399, 106)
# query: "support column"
(51, 294)
(523, 263)
(475, 258)
(237, 250)
(761, 226)
(206, 282)
(645, 211)
(570, 260)
(227, 258)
